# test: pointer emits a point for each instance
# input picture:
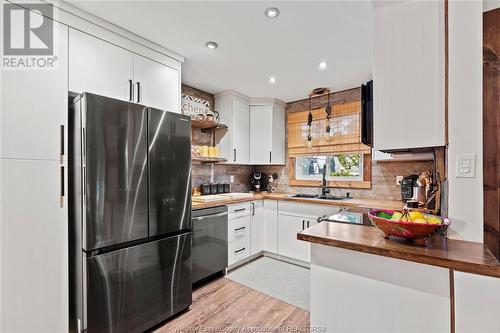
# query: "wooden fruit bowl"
(419, 232)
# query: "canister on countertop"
(220, 188)
(227, 188)
(205, 189)
(213, 188)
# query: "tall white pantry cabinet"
(34, 215)
(33, 160)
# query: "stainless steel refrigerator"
(130, 215)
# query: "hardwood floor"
(226, 306)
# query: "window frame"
(364, 183)
(328, 177)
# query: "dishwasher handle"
(199, 218)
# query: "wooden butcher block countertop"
(459, 255)
(359, 203)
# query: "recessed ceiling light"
(272, 12)
(211, 45)
(322, 65)
(272, 79)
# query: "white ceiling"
(253, 47)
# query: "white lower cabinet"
(392, 295)
(271, 226)
(238, 229)
(238, 250)
(288, 244)
(257, 227)
(477, 300)
(34, 247)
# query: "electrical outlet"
(231, 179)
(398, 180)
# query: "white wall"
(490, 5)
(465, 116)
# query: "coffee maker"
(259, 182)
(408, 185)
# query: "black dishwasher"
(209, 251)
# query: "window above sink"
(338, 167)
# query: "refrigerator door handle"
(138, 92)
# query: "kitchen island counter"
(449, 285)
(455, 254)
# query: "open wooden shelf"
(207, 126)
(206, 160)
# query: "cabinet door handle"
(308, 223)
(130, 91)
(253, 208)
(239, 229)
(234, 153)
(270, 156)
(61, 144)
(303, 224)
(238, 251)
(61, 194)
(239, 210)
(138, 92)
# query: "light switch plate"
(466, 166)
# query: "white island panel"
(477, 300)
(359, 292)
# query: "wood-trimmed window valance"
(346, 139)
(345, 124)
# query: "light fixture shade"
(211, 45)
(272, 12)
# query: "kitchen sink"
(309, 196)
(319, 197)
(332, 197)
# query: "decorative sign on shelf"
(192, 106)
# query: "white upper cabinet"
(240, 131)
(261, 133)
(256, 129)
(99, 67)
(34, 106)
(267, 132)
(408, 74)
(234, 111)
(156, 85)
(102, 68)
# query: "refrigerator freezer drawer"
(133, 289)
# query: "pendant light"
(328, 131)
(309, 124)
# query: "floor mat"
(286, 282)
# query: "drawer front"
(238, 210)
(238, 250)
(238, 228)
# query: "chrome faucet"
(324, 188)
